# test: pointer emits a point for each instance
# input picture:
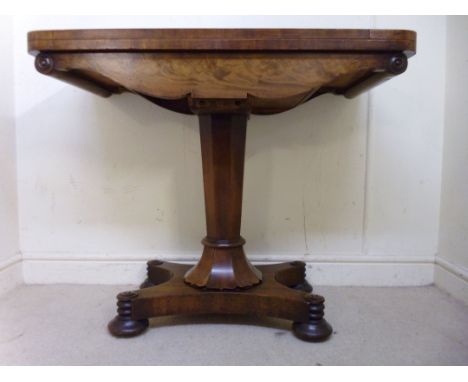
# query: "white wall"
(350, 186)
(452, 261)
(10, 270)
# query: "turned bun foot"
(155, 274)
(301, 283)
(317, 329)
(123, 325)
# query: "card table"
(222, 76)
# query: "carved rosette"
(44, 64)
(397, 64)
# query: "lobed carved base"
(283, 293)
(223, 268)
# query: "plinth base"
(283, 293)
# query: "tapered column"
(223, 264)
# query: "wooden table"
(223, 76)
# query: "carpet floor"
(66, 325)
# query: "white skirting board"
(10, 274)
(339, 271)
(451, 278)
(333, 270)
(321, 270)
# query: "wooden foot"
(304, 284)
(123, 325)
(171, 295)
(155, 274)
(317, 328)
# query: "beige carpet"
(66, 325)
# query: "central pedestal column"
(223, 281)
(223, 264)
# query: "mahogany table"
(223, 76)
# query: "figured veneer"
(223, 76)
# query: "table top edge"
(222, 39)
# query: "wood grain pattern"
(274, 69)
(223, 264)
(223, 75)
(215, 75)
(166, 294)
(222, 39)
(271, 83)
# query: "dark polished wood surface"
(223, 75)
(273, 69)
(223, 39)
